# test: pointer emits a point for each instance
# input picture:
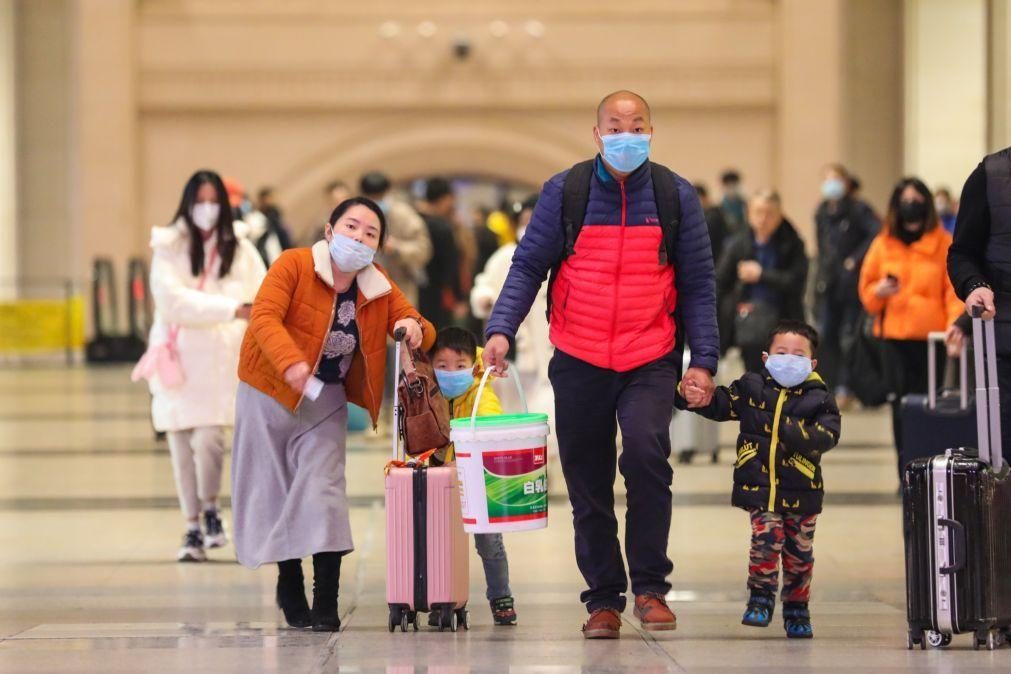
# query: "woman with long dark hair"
(904, 285)
(204, 275)
(316, 341)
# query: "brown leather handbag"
(424, 411)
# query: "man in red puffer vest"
(632, 282)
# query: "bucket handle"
(480, 390)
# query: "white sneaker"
(193, 547)
(215, 536)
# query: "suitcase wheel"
(405, 620)
(394, 618)
(914, 639)
(463, 618)
(937, 639)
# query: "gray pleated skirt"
(289, 493)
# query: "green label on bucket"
(517, 485)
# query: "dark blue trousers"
(591, 403)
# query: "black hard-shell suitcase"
(957, 528)
(933, 423)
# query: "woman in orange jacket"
(904, 285)
(316, 340)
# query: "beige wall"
(946, 89)
(140, 93)
(8, 153)
(1000, 74)
(48, 236)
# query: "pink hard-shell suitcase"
(427, 556)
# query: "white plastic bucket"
(503, 468)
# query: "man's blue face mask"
(625, 152)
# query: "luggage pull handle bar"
(987, 393)
(398, 336)
(963, 371)
(957, 532)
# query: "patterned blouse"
(339, 350)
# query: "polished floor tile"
(89, 528)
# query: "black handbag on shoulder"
(874, 374)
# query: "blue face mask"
(349, 255)
(789, 370)
(833, 189)
(454, 383)
(626, 152)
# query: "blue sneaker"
(797, 621)
(759, 611)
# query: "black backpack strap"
(575, 195)
(668, 206)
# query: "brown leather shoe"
(604, 623)
(653, 612)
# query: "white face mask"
(205, 215)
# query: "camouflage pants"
(790, 537)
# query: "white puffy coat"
(209, 334)
(533, 346)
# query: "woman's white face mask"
(205, 215)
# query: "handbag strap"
(201, 282)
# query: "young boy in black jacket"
(788, 420)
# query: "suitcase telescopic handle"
(399, 334)
(957, 545)
(987, 389)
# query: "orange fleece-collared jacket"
(293, 314)
(926, 302)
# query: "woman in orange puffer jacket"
(316, 340)
(904, 285)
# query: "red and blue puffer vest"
(612, 302)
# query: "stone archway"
(495, 151)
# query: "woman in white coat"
(204, 276)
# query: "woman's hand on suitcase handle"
(495, 352)
(297, 375)
(981, 297)
(413, 329)
(954, 340)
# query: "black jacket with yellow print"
(784, 432)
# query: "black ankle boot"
(291, 593)
(325, 586)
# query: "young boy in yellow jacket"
(457, 362)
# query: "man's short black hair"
(456, 339)
(730, 177)
(793, 327)
(701, 190)
(374, 184)
(436, 188)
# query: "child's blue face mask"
(789, 370)
(454, 383)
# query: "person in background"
(334, 193)
(456, 360)
(437, 297)
(322, 317)
(788, 420)
(408, 247)
(533, 345)
(947, 209)
(502, 223)
(845, 229)
(267, 228)
(204, 274)
(715, 220)
(760, 279)
(490, 229)
(904, 284)
(979, 262)
(732, 203)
